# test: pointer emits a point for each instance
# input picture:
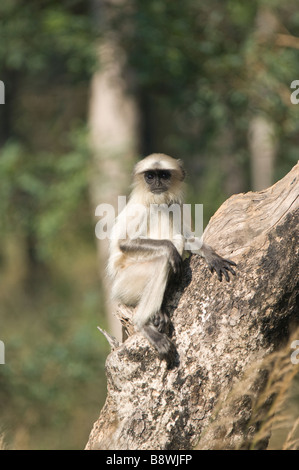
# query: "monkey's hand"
(222, 267)
(216, 263)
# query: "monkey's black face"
(158, 181)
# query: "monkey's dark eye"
(165, 175)
(149, 175)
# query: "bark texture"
(221, 331)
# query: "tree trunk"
(262, 138)
(263, 145)
(113, 136)
(222, 331)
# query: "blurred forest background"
(91, 86)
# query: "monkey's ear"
(182, 170)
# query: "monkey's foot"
(160, 341)
(160, 321)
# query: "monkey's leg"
(153, 292)
(149, 307)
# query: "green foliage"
(205, 65)
(54, 372)
(44, 193)
(40, 36)
(53, 381)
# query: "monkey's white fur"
(148, 241)
(141, 278)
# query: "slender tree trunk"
(262, 138)
(113, 125)
(262, 145)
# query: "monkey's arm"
(151, 248)
(215, 262)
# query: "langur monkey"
(146, 249)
